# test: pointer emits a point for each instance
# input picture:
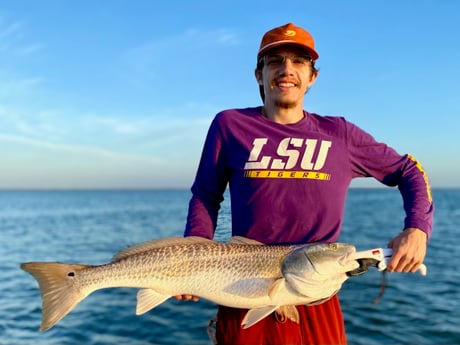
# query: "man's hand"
(187, 298)
(409, 250)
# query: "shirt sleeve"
(370, 158)
(209, 186)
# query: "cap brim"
(313, 54)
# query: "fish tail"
(58, 290)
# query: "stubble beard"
(285, 105)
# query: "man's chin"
(285, 104)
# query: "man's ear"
(312, 79)
(258, 75)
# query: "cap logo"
(290, 33)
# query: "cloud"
(29, 49)
(14, 40)
(221, 36)
(52, 136)
(192, 47)
(10, 88)
(61, 147)
(29, 163)
(29, 122)
(9, 34)
(165, 135)
(43, 149)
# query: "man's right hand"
(187, 298)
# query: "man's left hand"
(409, 250)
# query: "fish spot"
(71, 274)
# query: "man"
(288, 171)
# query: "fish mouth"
(363, 267)
(347, 260)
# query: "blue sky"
(120, 94)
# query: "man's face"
(286, 75)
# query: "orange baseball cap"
(288, 34)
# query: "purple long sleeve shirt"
(288, 183)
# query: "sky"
(120, 94)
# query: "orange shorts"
(319, 324)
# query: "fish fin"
(148, 299)
(243, 240)
(288, 312)
(155, 244)
(255, 315)
(277, 286)
(57, 289)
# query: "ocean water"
(90, 226)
